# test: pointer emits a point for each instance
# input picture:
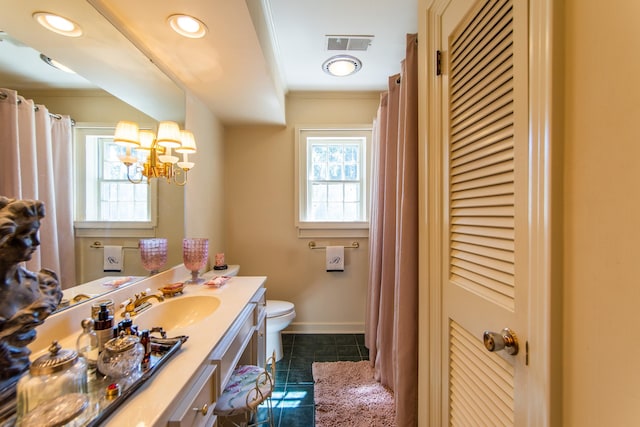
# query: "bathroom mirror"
(115, 69)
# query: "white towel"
(113, 260)
(335, 258)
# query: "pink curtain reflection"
(37, 164)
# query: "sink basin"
(177, 312)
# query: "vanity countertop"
(150, 404)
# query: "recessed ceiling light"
(341, 65)
(187, 26)
(58, 24)
(56, 64)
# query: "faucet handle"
(125, 303)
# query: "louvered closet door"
(484, 85)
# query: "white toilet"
(280, 314)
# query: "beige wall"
(96, 106)
(259, 211)
(602, 212)
(204, 194)
(87, 105)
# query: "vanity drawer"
(233, 345)
(196, 408)
(260, 300)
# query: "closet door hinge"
(438, 63)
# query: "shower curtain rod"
(35, 108)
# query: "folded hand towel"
(335, 258)
(113, 258)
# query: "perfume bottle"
(145, 340)
(103, 326)
(88, 347)
(126, 325)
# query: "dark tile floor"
(293, 394)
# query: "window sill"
(332, 229)
(114, 229)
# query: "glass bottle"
(126, 325)
(145, 340)
(103, 326)
(87, 346)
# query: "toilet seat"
(277, 308)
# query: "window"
(103, 193)
(332, 181)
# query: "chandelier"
(159, 161)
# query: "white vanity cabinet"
(184, 390)
(242, 343)
(196, 407)
(260, 334)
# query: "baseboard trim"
(325, 328)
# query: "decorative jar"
(121, 356)
(60, 372)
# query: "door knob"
(506, 340)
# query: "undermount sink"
(177, 312)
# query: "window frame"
(91, 228)
(335, 229)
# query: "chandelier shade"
(188, 142)
(168, 135)
(147, 137)
(159, 162)
(127, 134)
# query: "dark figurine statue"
(26, 298)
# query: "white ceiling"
(254, 52)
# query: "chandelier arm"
(129, 175)
(177, 172)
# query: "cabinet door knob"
(203, 410)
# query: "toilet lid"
(278, 308)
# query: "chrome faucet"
(138, 303)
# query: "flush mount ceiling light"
(56, 64)
(342, 65)
(187, 26)
(58, 24)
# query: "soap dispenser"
(103, 326)
(88, 347)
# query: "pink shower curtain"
(391, 330)
(37, 164)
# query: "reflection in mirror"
(110, 64)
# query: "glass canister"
(61, 372)
(121, 356)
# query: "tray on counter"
(102, 406)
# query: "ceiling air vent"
(345, 43)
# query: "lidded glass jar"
(61, 372)
(121, 356)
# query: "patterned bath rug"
(346, 394)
